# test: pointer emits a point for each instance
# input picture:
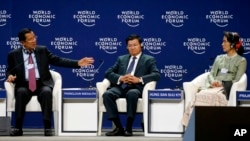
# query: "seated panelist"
(128, 77)
(28, 69)
(227, 69)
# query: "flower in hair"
(238, 45)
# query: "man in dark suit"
(18, 73)
(128, 81)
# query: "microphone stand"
(97, 70)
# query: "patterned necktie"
(129, 70)
(32, 75)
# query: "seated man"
(28, 68)
(128, 76)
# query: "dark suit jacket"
(146, 69)
(43, 57)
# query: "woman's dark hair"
(234, 39)
(21, 34)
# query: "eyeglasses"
(32, 39)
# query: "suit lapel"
(38, 58)
(139, 64)
(126, 61)
(20, 55)
(21, 60)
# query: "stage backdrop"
(184, 36)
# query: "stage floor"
(38, 136)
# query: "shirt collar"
(138, 56)
(27, 51)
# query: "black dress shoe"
(128, 133)
(16, 132)
(116, 132)
(48, 132)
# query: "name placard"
(243, 95)
(2, 94)
(165, 94)
(76, 93)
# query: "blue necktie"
(129, 70)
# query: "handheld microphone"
(97, 70)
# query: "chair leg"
(9, 114)
(56, 123)
(100, 124)
(142, 123)
(142, 126)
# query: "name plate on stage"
(243, 95)
(78, 93)
(165, 94)
(2, 94)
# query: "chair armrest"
(190, 90)
(200, 80)
(241, 85)
(10, 88)
(149, 86)
(101, 87)
(57, 90)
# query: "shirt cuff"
(141, 80)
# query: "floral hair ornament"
(238, 45)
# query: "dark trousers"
(23, 96)
(227, 87)
(131, 95)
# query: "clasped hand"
(216, 84)
(129, 79)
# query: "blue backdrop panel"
(183, 36)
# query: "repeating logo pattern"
(219, 17)
(87, 73)
(3, 69)
(64, 44)
(13, 43)
(174, 72)
(108, 44)
(87, 18)
(246, 45)
(175, 18)
(153, 45)
(42, 17)
(170, 34)
(131, 18)
(4, 16)
(197, 45)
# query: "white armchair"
(33, 105)
(190, 88)
(121, 102)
